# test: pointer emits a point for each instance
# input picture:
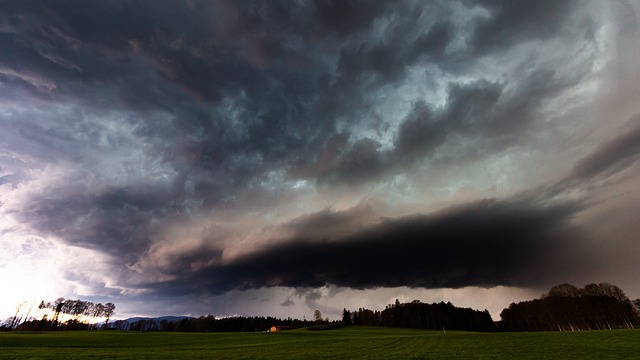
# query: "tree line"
(412, 315)
(61, 314)
(418, 315)
(210, 323)
(568, 308)
(563, 308)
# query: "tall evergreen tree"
(346, 317)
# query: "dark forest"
(564, 308)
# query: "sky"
(278, 157)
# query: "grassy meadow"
(352, 342)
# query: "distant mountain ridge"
(147, 323)
(158, 319)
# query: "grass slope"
(351, 342)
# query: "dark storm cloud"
(183, 59)
(259, 66)
(484, 244)
(513, 22)
(345, 17)
(387, 61)
(361, 162)
(481, 113)
(118, 221)
(218, 96)
(469, 109)
(611, 156)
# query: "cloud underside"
(241, 145)
(485, 244)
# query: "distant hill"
(146, 323)
(161, 318)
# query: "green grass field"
(352, 343)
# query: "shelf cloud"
(203, 154)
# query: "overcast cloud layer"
(237, 157)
